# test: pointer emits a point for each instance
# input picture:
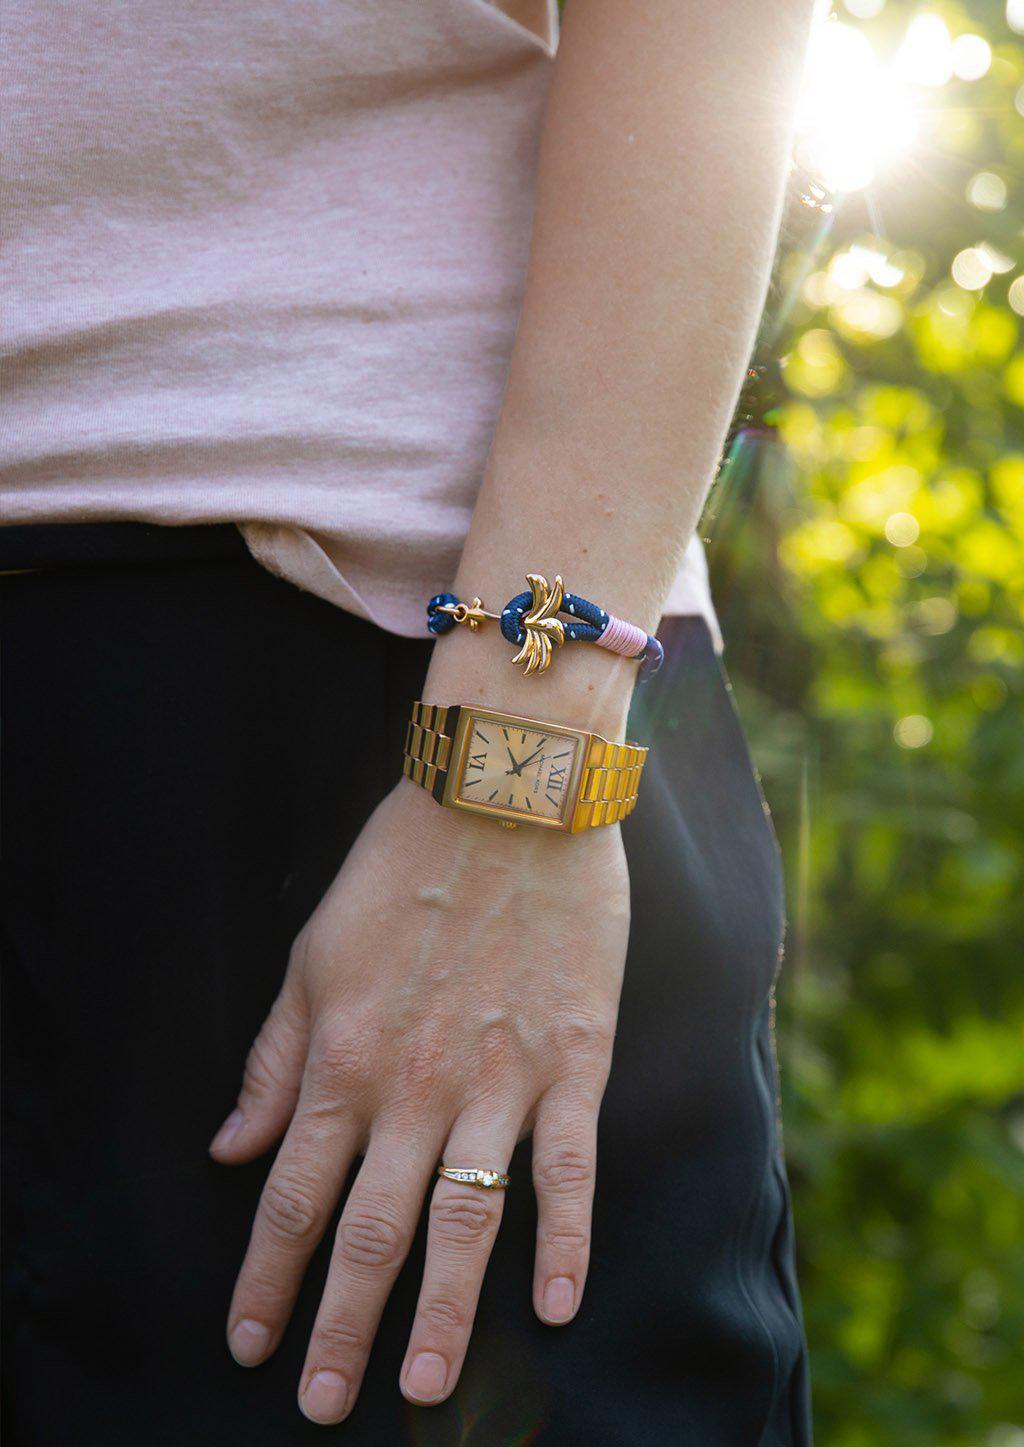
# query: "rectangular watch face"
(518, 769)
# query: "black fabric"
(32, 546)
(180, 731)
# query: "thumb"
(270, 1084)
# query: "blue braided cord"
(588, 621)
(585, 625)
(511, 618)
(652, 657)
(440, 622)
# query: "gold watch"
(520, 770)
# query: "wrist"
(586, 687)
(460, 838)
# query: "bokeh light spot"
(885, 272)
(902, 529)
(849, 269)
(997, 260)
(815, 366)
(913, 731)
(987, 191)
(926, 55)
(971, 269)
(953, 303)
(865, 314)
(935, 616)
(971, 56)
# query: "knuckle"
(583, 1037)
(564, 1170)
(500, 1049)
(462, 1220)
(335, 1338)
(340, 1064)
(368, 1237)
(290, 1210)
(445, 1314)
(423, 1067)
(564, 1241)
(299, 951)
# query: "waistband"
(35, 547)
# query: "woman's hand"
(457, 987)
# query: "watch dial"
(519, 769)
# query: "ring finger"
(463, 1225)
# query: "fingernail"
(325, 1397)
(249, 1342)
(228, 1131)
(559, 1299)
(426, 1376)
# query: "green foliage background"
(901, 1004)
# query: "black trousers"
(180, 787)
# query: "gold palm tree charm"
(542, 628)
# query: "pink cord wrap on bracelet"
(622, 637)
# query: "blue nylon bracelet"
(586, 623)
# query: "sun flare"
(861, 116)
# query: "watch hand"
(516, 768)
(530, 760)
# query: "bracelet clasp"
(472, 613)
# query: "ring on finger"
(475, 1176)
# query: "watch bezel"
(460, 749)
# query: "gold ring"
(470, 1176)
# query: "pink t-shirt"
(262, 264)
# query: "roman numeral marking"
(556, 779)
(476, 761)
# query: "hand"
(456, 988)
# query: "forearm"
(665, 150)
